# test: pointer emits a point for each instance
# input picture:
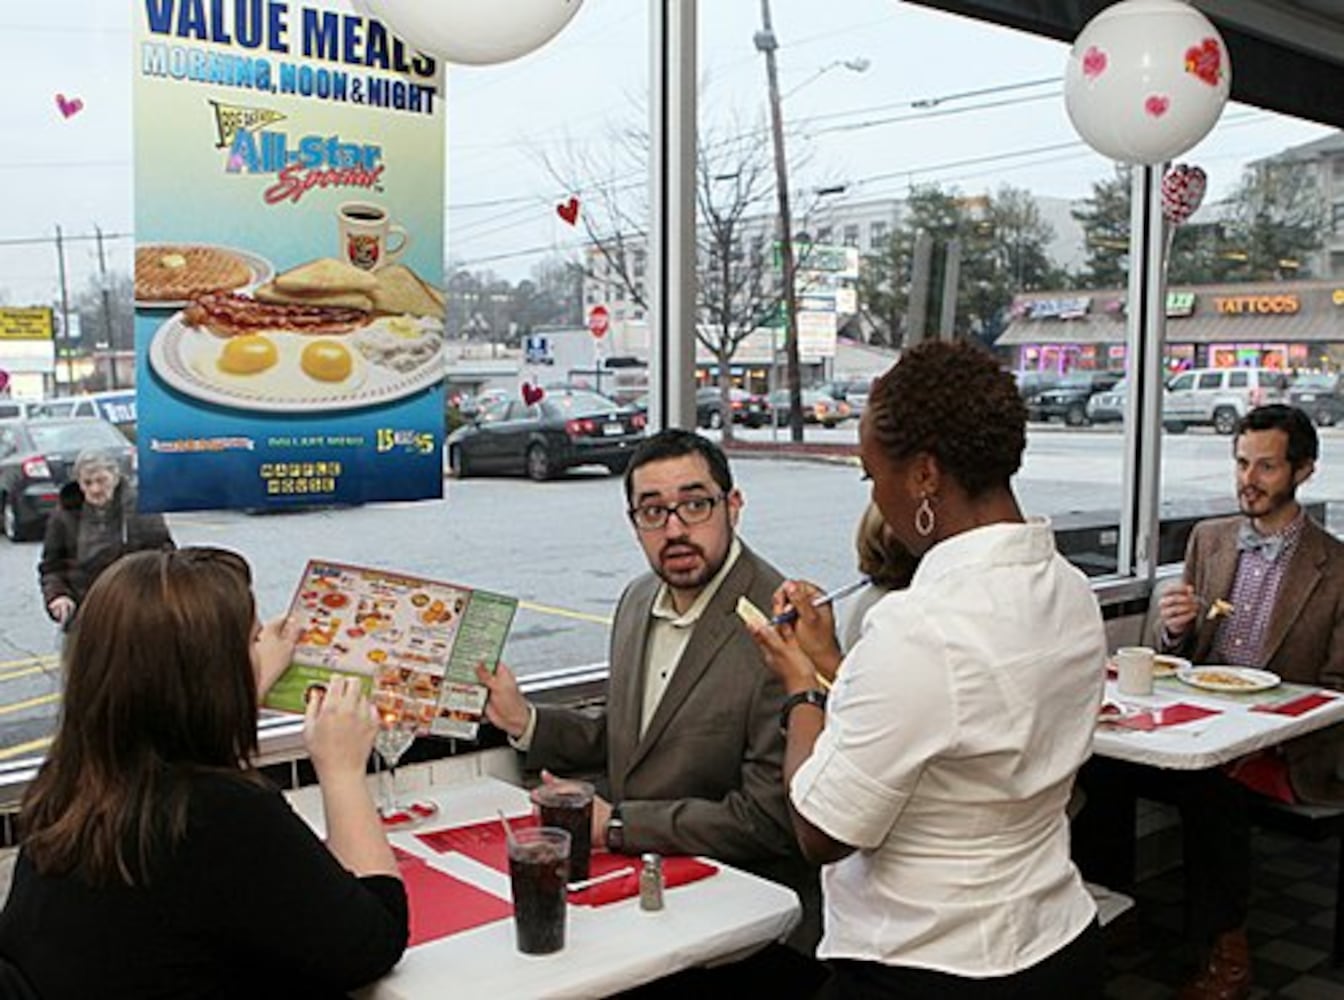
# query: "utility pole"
(766, 43)
(947, 327)
(65, 315)
(107, 310)
(921, 269)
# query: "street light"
(766, 44)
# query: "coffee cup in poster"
(365, 234)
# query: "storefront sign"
(1058, 308)
(26, 323)
(289, 190)
(1257, 305)
(1180, 304)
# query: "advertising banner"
(289, 190)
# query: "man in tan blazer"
(689, 740)
(1261, 589)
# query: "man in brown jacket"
(689, 741)
(1261, 589)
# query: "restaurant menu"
(413, 642)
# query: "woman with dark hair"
(155, 860)
(933, 785)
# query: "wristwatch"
(616, 830)
(812, 696)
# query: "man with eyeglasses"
(689, 741)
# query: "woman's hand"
(338, 728)
(814, 627)
(61, 609)
(275, 651)
(785, 657)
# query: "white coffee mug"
(365, 230)
(1134, 670)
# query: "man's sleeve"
(567, 739)
(751, 822)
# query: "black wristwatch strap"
(616, 830)
(812, 696)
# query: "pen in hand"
(785, 617)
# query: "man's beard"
(696, 578)
(1262, 504)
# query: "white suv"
(1219, 397)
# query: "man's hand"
(506, 708)
(1177, 609)
(275, 652)
(61, 609)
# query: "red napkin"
(441, 904)
(676, 871)
(1298, 706)
(482, 841)
(1167, 715)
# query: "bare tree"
(739, 290)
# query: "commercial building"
(1289, 325)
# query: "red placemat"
(484, 842)
(676, 871)
(442, 905)
(1167, 715)
(1298, 706)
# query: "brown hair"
(881, 555)
(158, 688)
(953, 401)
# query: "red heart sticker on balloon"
(69, 105)
(1157, 105)
(1205, 61)
(568, 210)
(532, 394)
(1094, 62)
(1183, 190)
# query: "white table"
(607, 948)
(1210, 741)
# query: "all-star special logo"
(299, 165)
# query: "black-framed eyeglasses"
(652, 516)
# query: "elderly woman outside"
(94, 525)
(933, 785)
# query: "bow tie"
(1268, 546)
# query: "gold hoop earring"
(924, 518)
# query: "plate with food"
(1229, 680)
(236, 351)
(170, 275)
(1165, 665)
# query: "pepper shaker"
(651, 883)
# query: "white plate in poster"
(261, 268)
(1229, 680)
(390, 357)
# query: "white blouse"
(952, 737)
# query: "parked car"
(11, 409)
(1219, 397)
(818, 407)
(116, 406)
(1067, 401)
(37, 458)
(747, 408)
(853, 391)
(1107, 406)
(566, 428)
(1029, 383)
(1320, 394)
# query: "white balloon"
(1146, 80)
(475, 32)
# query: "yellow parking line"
(28, 661)
(19, 706)
(19, 749)
(582, 616)
(15, 675)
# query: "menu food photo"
(413, 642)
(289, 191)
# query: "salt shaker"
(651, 883)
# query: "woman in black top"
(155, 860)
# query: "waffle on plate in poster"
(414, 642)
(323, 335)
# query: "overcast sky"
(573, 94)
